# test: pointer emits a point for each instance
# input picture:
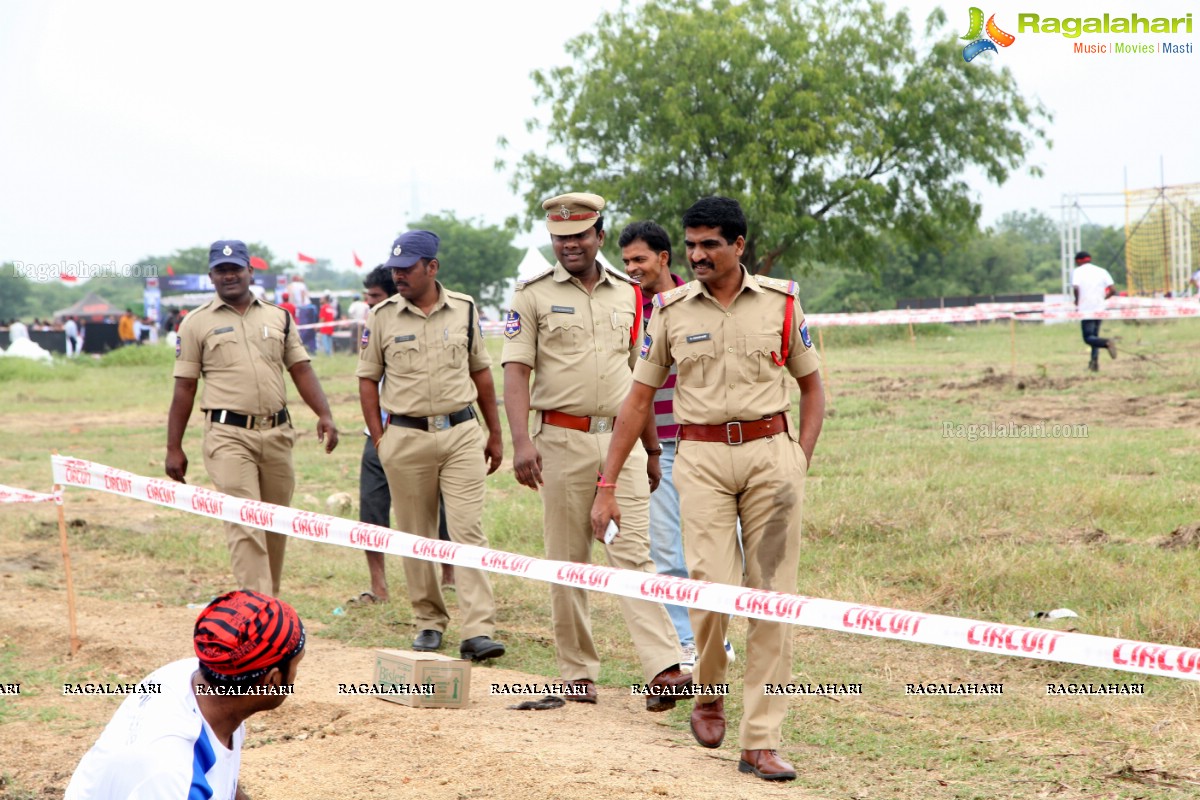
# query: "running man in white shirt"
(1092, 285)
(183, 737)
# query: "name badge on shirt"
(228, 329)
(699, 337)
(406, 338)
(562, 309)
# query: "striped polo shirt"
(664, 398)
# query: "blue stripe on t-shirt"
(203, 759)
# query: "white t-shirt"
(298, 293)
(159, 746)
(358, 311)
(71, 328)
(1091, 282)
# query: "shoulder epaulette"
(393, 299)
(522, 284)
(779, 285)
(466, 298)
(613, 271)
(663, 299)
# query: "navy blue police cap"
(228, 251)
(411, 247)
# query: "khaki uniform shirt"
(424, 359)
(240, 356)
(726, 371)
(577, 344)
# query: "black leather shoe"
(480, 648)
(428, 641)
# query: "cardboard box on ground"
(423, 680)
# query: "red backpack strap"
(637, 315)
(789, 311)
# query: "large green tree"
(474, 258)
(827, 121)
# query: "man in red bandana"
(181, 734)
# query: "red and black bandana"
(240, 636)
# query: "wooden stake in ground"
(824, 371)
(912, 335)
(1012, 337)
(66, 554)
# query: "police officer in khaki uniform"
(426, 343)
(240, 345)
(573, 329)
(735, 338)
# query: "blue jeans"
(666, 539)
(1091, 335)
(325, 343)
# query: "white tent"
(532, 264)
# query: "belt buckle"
(728, 433)
(598, 424)
(265, 421)
(439, 422)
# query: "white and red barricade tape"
(889, 623)
(1127, 308)
(10, 494)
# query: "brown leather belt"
(561, 419)
(737, 431)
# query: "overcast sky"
(136, 128)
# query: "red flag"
(303, 259)
(170, 270)
(67, 278)
(258, 263)
(357, 260)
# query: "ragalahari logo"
(979, 42)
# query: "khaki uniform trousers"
(257, 465)
(418, 464)
(761, 481)
(570, 461)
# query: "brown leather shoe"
(708, 723)
(668, 686)
(589, 695)
(766, 764)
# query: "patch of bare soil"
(1087, 536)
(1185, 537)
(322, 744)
(990, 379)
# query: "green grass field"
(897, 513)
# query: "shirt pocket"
(272, 346)
(406, 354)
(221, 350)
(697, 362)
(564, 334)
(622, 330)
(454, 350)
(757, 364)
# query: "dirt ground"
(367, 748)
